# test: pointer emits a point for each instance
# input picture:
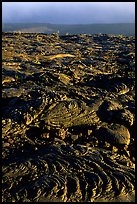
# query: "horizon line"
(67, 23)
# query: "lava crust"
(68, 118)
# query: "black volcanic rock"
(68, 117)
(115, 134)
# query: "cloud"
(68, 12)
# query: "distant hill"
(115, 28)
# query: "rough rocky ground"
(68, 118)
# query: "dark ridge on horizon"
(93, 28)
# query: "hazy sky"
(69, 12)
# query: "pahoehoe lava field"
(68, 117)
